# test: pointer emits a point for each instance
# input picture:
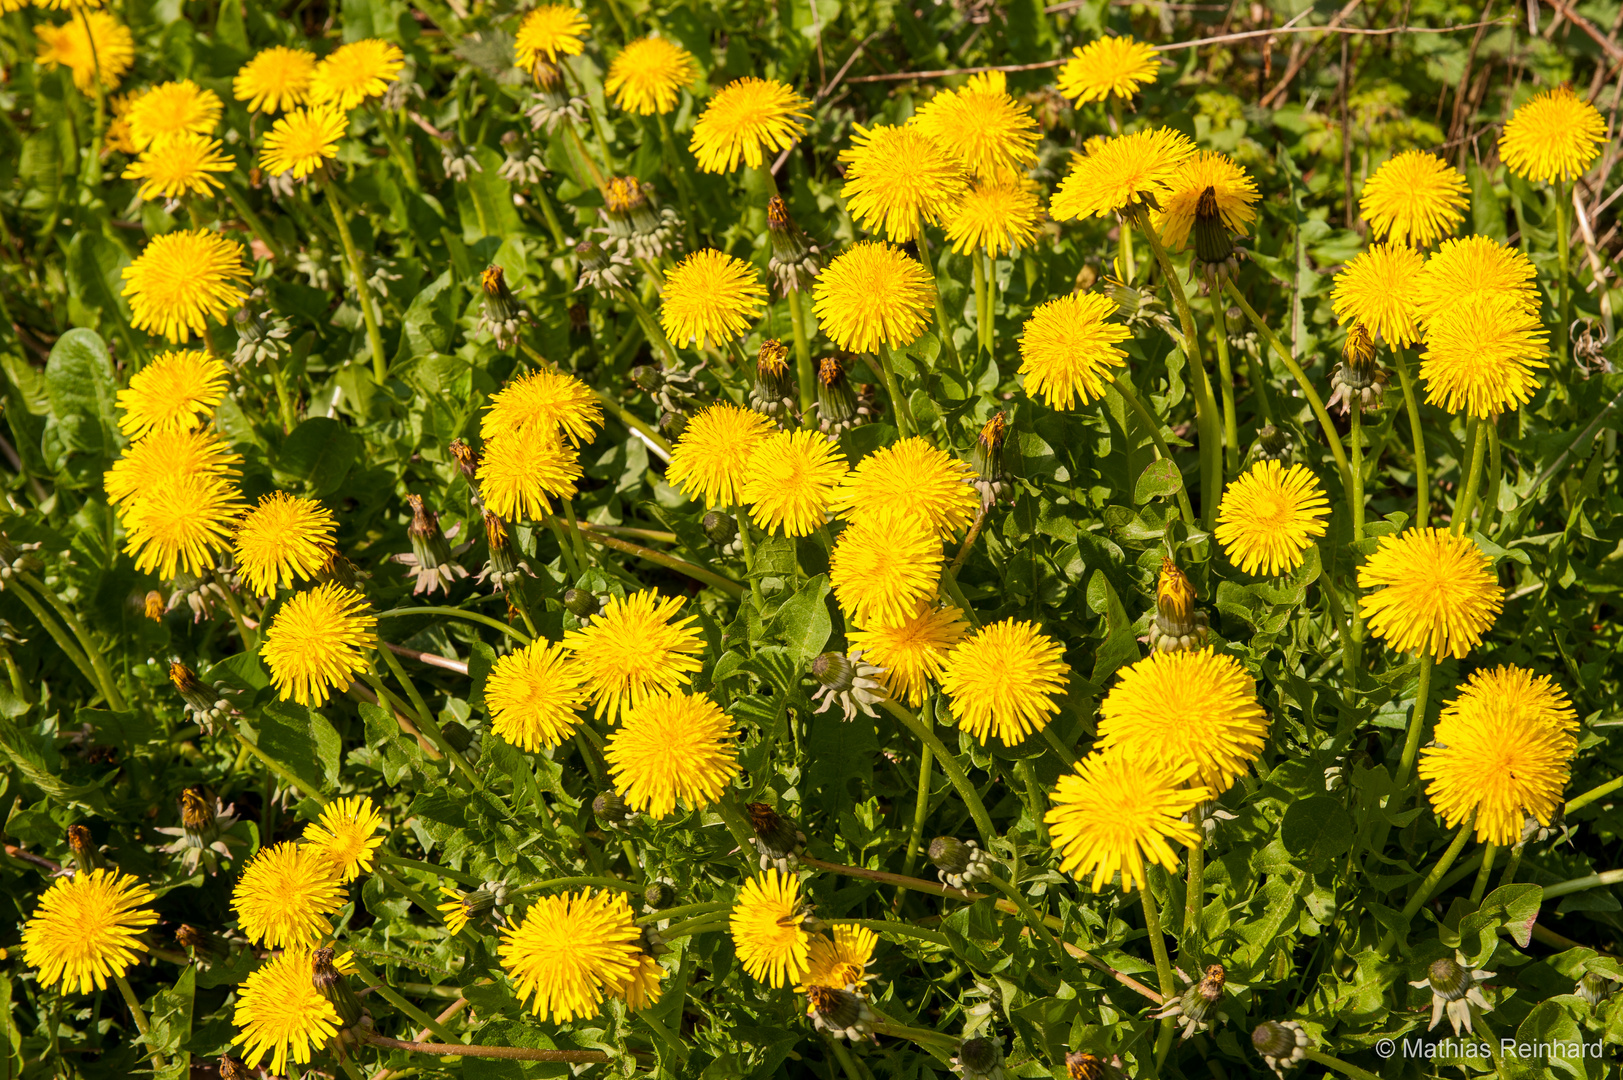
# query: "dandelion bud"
(232, 1069)
(196, 815)
(85, 853)
(1595, 988)
(1281, 1043)
(430, 559)
(1124, 296)
(200, 943)
(1272, 444)
(839, 406)
(1449, 978)
(959, 863)
(647, 377)
(1455, 992)
(600, 269)
(659, 894)
(153, 606)
(848, 681)
(503, 314)
(1358, 375)
(332, 985)
(774, 392)
(795, 261)
(777, 840)
(672, 425)
(338, 570)
(580, 603)
(458, 735)
(1197, 1009)
(840, 1013)
(1213, 244)
(719, 528)
(1177, 624)
(992, 479)
(834, 670)
(467, 459)
(634, 225)
(980, 1059)
(611, 809)
(17, 559)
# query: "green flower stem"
(348, 1065)
(898, 929)
(1195, 886)
(276, 767)
(388, 858)
(901, 880)
(1489, 851)
(566, 550)
(629, 419)
(670, 562)
(1417, 433)
(1163, 969)
(706, 924)
(748, 544)
(1355, 436)
(982, 307)
(1417, 725)
(1339, 1066)
(250, 639)
(508, 1053)
(1124, 387)
(1424, 890)
(363, 292)
(90, 173)
(1129, 268)
(284, 401)
(1034, 797)
(950, 766)
(1594, 794)
(255, 223)
(1467, 500)
(805, 374)
(1206, 416)
(103, 675)
(1593, 881)
(904, 414)
(923, 1036)
(848, 1065)
(1312, 395)
(651, 329)
(574, 533)
(742, 831)
(560, 240)
(137, 1013)
(1027, 912)
(1225, 386)
(921, 810)
(1066, 754)
(399, 150)
(685, 909)
(407, 891)
(1490, 501)
(425, 719)
(1563, 290)
(457, 613)
(387, 993)
(1511, 865)
(598, 882)
(945, 327)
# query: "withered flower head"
(467, 459)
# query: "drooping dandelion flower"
(711, 459)
(571, 952)
(1068, 347)
(1108, 67)
(840, 960)
(182, 280)
(303, 141)
(635, 648)
(106, 48)
(520, 475)
(1502, 763)
(544, 402)
(911, 477)
(648, 75)
(1516, 690)
(746, 118)
(1414, 198)
(1121, 172)
(282, 540)
(276, 79)
(181, 524)
(535, 694)
(547, 33)
(347, 834)
(982, 126)
(1460, 270)
(677, 746)
(1379, 289)
(1269, 516)
(792, 479)
(285, 894)
(1435, 592)
(281, 1013)
(176, 165)
(318, 641)
(1004, 680)
(1233, 194)
(173, 108)
(873, 294)
(766, 929)
(165, 456)
(1117, 812)
(885, 568)
(898, 180)
(1481, 354)
(87, 930)
(710, 298)
(997, 215)
(349, 75)
(1192, 707)
(912, 652)
(176, 392)
(1554, 136)
(117, 136)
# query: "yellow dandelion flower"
(1108, 67)
(318, 641)
(998, 216)
(1117, 812)
(87, 930)
(276, 78)
(282, 540)
(544, 402)
(897, 180)
(1269, 516)
(710, 298)
(679, 746)
(183, 279)
(1194, 707)
(303, 141)
(873, 294)
(711, 459)
(988, 132)
(571, 952)
(1500, 763)
(165, 456)
(349, 75)
(173, 108)
(1234, 194)
(1474, 266)
(1517, 691)
(519, 475)
(176, 392)
(1435, 592)
(766, 929)
(458, 910)
(745, 119)
(281, 1013)
(118, 126)
(885, 568)
(840, 961)
(648, 75)
(1481, 354)
(635, 648)
(534, 695)
(914, 478)
(912, 652)
(95, 43)
(1068, 347)
(642, 988)
(180, 164)
(181, 524)
(1005, 680)
(1379, 288)
(285, 894)
(792, 479)
(1554, 136)
(1121, 172)
(547, 33)
(1414, 198)
(346, 833)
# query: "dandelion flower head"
(87, 930)
(520, 474)
(318, 642)
(710, 298)
(544, 402)
(1005, 679)
(982, 126)
(347, 834)
(648, 75)
(1068, 347)
(285, 894)
(711, 458)
(282, 540)
(898, 180)
(1502, 763)
(1460, 270)
(636, 647)
(547, 33)
(912, 653)
(1121, 172)
(281, 1013)
(1554, 136)
(746, 118)
(165, 456)
(349, 75)
(997, 215)
(792, 479)
(176, 392)
(1414, 198)
(1481, 355)
(173, 108)
(914, 478)
(1433, 592)
(1108, 67)
(677, 746)
(181, 523)
(840, 959)
(183, 279)
(766, 927)
(535, 694)
(1517, 691)
(91, 42)
(302, 141)
(276, 78)
(1233, 193)
(885, 568)
(1118, 812)
(1269, 517)
(873, 294)
(1378, 288)
(571, 952)
(180, 164)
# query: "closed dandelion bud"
(190, 686)
(260, 337)
(85, 853)
(1595, 987)
(1281, 1043)
(672, 389)
(457, 734)
(671, 425)
(551, 105)
(430, 559)
(201, 944)
(1197, 1009)
(600, 269)
(581, 604)
(503, 315)
(980, 1059)
(232, 1069)
(467, 460)
(837, 406)
(1273, 444)
(719, 528)
(17, 559)
(523, 164)
(1358, 375)
(153, 605)
(1177, 623)
(633, 223)
(849, 682)
(777, 840)
(1126, 298)
(504, 567)
(1213, 244)
(1454, 992)
(331, 984)
(795, 261)
(1535, 831)
(196, 815)
(959, 863)
(659, 895)
(611, 809)
(992, 479)
(648, 378)
(774, 391)
(840, 1013)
